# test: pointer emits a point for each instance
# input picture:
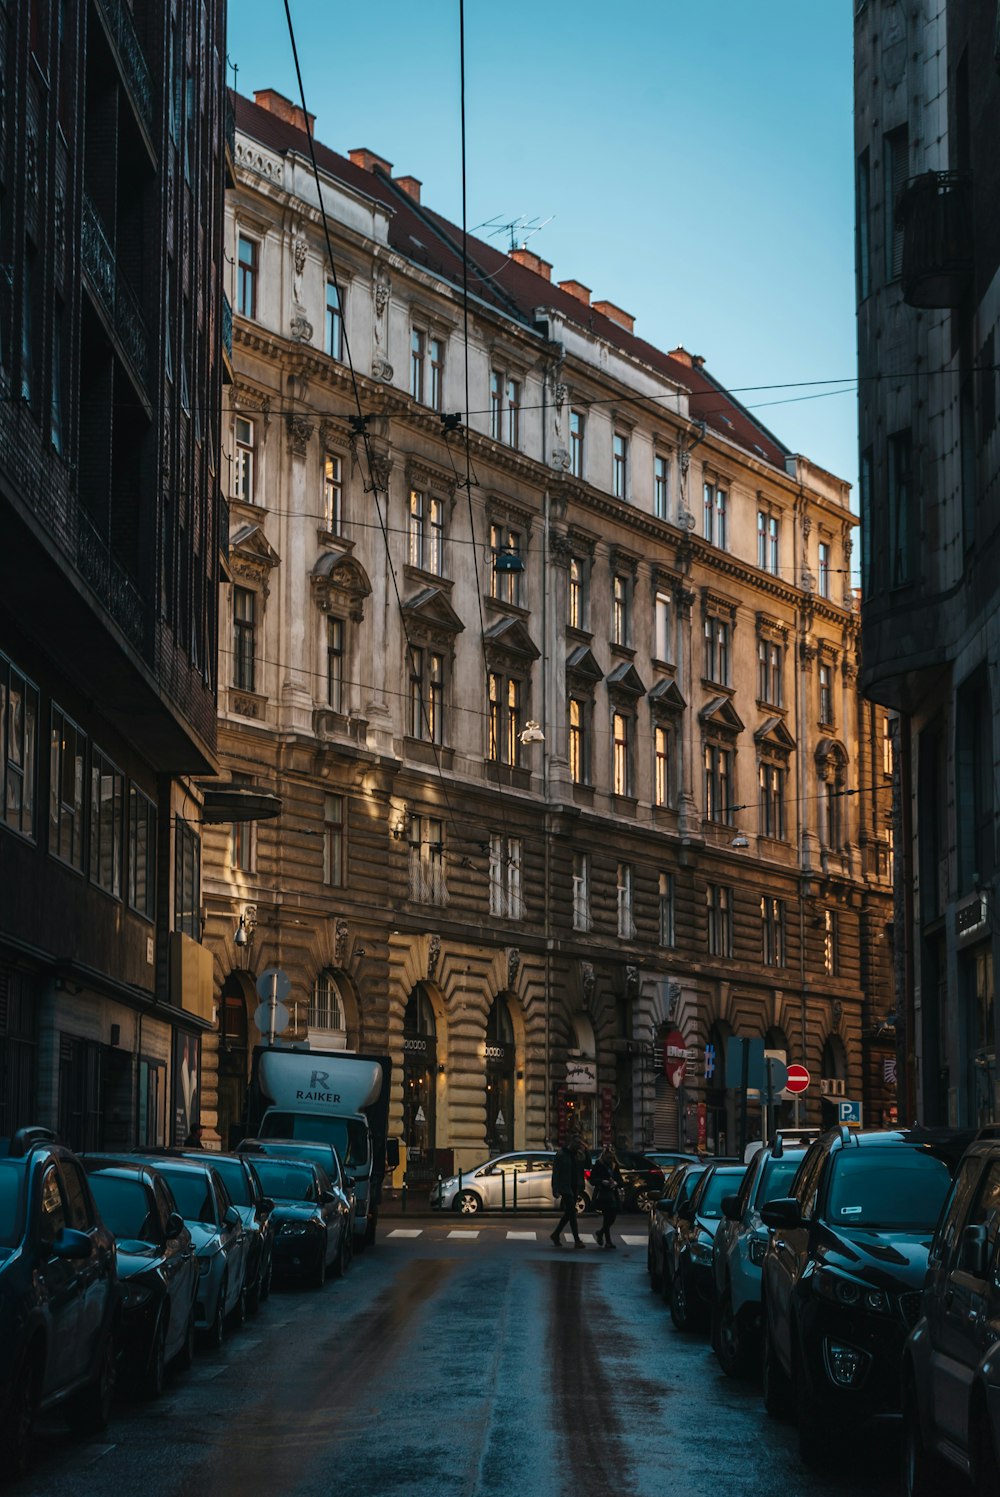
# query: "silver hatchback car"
(523, 1180)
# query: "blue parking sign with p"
(849, 1113)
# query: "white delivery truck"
(329, 1097)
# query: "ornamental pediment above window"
(623, 561)
(581, 667)
(773, 736)
(340, 584)
(421, 474)
(716, 605)
(769, 628)
(625, 681)
(665, 697)
(430, 619)
(720, 716)
(508, 642)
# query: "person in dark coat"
(568, 1180)
(608, 1189)
(193, 1140)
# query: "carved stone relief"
(299, 429)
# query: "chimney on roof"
(682, 356)
(531, 261)
(275, 103)
(577, 290)
(698, 360)
(616, 314)
(368, 161)
(410, 185)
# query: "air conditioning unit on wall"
(831, 1087)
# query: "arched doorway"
(419, 1077)
(234, 1057)
(500, 1068)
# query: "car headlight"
(135, 1295)
(701, 1249)
(850, 1292)
(757, 1250)
(293, 1229)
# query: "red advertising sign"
(674, 1057)
(798, 1079)
(702, 1127)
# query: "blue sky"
(695, 157)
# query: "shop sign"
(415, 1044)
(675, 1057)
(581, 1075)
(497, 1053)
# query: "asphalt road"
(461, 1361)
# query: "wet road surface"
(460, 1361)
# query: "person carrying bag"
(609, 1192)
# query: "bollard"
(515, 1190)
(503, 1190)
(402, 1195)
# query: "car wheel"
(655, 1278)
(925, 1474)
(265, 1291)
(90, 1409)
(467, 1203)
(18, 1423)
(680, 1304)
(643, 1200)
(775, 1385)
(185, 1357)
(814, 1435)
(319, 1272)
(253, 1293)
(215, 1335)
(728, 1337)
(155, 1374)
(665, 1277)
(238, 1314)
(339, 1260)
(986, 1473)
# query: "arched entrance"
(419, 1077)
(234, 1056)
(500, 1068)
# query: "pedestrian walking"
(608, 1189)
(193, 1140)
(567, 1183)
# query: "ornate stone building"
(560, 699)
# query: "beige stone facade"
(532, 819)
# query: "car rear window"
(126, 1207)
(776, 1177)
(235, 1180)
(903, 1187)
(11, 1217)
(286, 1182)
(348, 1136)
(721, 1184)
(193, 1194)
(309, 1154)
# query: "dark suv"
(59, 1294)
(951, 1365)
(841, 1278)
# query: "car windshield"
(722, 1183)
(309, 1153)
(349, 1136)
(235, 1177)
(286, 1182)
(901, 1187)
(775, 1179)
(10, 1204)
(193, 1194)
(125, 1206)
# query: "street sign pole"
(744, 1083)
(273, 1005)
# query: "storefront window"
(419, 1080)
(499, 1078)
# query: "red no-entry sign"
(798, 1079)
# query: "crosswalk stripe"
(633, 1241)
(472, 1235)
(522, 1236)
(405, 1232)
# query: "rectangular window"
(824, 569)
(771, 810)
(334, 344)
(427, 695)
(246, 277)
(187, 880)
(244, 485)
(621, 753)
(661, 487)
(896, 169)
(619, 610)
(623, 889)
(505, 719)
(505, 584)
(619, 465)
(826, 694)
(577, 426)
(107, 804)
(505, 877)
(772, 931)
(578, 741)
(496, 404)
(333, 494)
(716, 516)
(768, 531)
(18, 749)
(426, 534)
(887, 751)
(770, 660)
(427, 864)
(661, 628)
(900, 462)
(720, 920)
(435, 353)
(717, 650)
(335, 663)
(718, 784)
(66, 789)
(418, 341)
(666, 909)
(864, 242)
(581, 891)
(512, 422)
(243, 846)
(333, 840)
(830, 934)
(577, 596)
(662, 766)
(244, 638)
(141, 853)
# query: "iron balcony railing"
(935, 211)
(118, 20)
(114, 293)
(227, 327)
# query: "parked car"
(157, 1268)
(951, 1363)
(59, 1295)
(666, 1159)
(642, 1177)
(312, 1221)
(245, 1191)
(327, 1156)
(663, 1225)
(697, 1221)
(522, 1179)
(220, 1240)
(841, 1279)
(737, 1255)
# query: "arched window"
(834, 1064)
(326, 1012)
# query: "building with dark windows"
(562, 709)
(928, 281)
(112, 171)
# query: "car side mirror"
(392, 1153)
(666, 1206)
(69, 1243)
(731, 1208)
(784, 1212)
(973, 1253)
(175, 1225)
(326, 1196)
(686, 1211)
(266, 1205)
(232, 1217)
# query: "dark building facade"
(112, 171)
(928, 256)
